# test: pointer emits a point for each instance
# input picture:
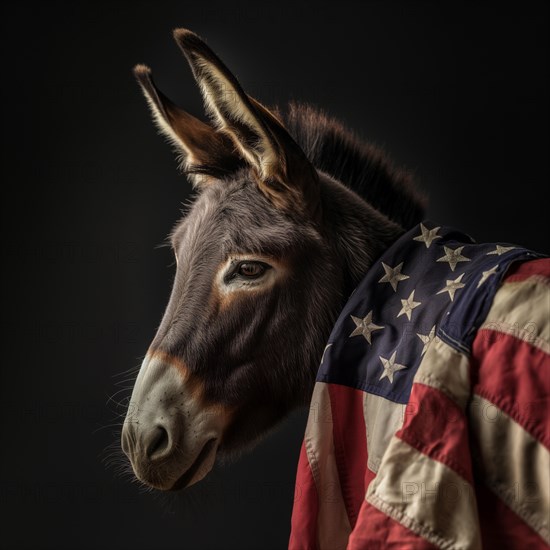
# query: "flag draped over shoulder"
(428, 425)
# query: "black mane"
(364, 168)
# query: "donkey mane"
(360, 166)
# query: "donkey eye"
(251, 270)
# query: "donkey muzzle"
(169, 435)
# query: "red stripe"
(436, 426)
(376, 531)
(501, 528)
(514, 376)
(350, 445)
(303, 535)
(524, 270)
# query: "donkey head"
(256, 289)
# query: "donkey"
(290, 244)
(291, 210)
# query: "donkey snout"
(169, 435)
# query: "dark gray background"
(457, 93)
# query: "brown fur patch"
(194, 386)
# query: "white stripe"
(427, 497)
(523, 310)
(333, 527)
(514, 464)
(382, 418)
(447, 370)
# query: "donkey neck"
(358, 233)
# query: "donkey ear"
(285, 174)
(202, 151)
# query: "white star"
(486, 274)
(453, 256)
(408, 305)
(365, 326)
(500, 250)
(452, 286)
(390, 367)
(393, 275)
(428, 235)
(426, 339)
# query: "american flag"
(428, 425)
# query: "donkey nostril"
(158, 443)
